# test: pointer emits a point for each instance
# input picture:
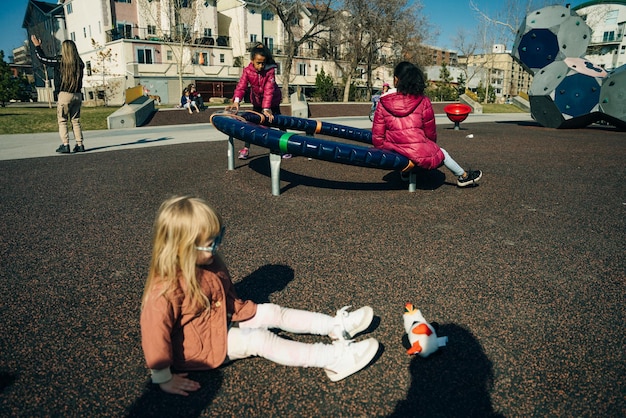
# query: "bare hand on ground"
(180, 385)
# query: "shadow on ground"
(426, 180)
(455, 381)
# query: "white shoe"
(351, 358)
(348, 324)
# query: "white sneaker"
(348, 324)
(351, 358)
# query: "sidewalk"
(14, 147)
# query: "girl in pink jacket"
(404, 122)
(265, 95)
(192, 318)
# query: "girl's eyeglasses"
(217, 241)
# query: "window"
(185, 3)
(144, 56)
(201, 58)
(252, 37)
(608, 36)
(88, 67)
(611, 17)
(302, 69)
(84, 32)
(69, 9)
(207, 32)
(151, 30)
(278, 68)
(125, 30)
(223, 58)
(170, 56)
(73, 36)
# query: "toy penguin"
(422, 335)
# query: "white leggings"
(254, 338)
(452, 165)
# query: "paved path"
(20, 146)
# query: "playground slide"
(252, 127)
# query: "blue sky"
(12, 34)
(449, 15)
(446, 15)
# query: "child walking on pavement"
(265, 95)
(404, 122)
(192, 319)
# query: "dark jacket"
(406, 124)
(56, 64)
(185, 99)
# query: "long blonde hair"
(182, 223)
(71, 66)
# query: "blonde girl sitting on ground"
(192, 319)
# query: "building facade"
(125, 43)
(607, 20)
(499, 71)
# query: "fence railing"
(153, 35)
(301, 52)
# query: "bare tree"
(376, 34)
(467, 45)
(347, 48)
(297, 33)
(103, 58)
(175, 22)
(505, 21)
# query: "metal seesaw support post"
(275, 160)
(412, 182)
(231, 153)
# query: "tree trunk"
(346, 88)
(286, 74)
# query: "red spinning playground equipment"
(457, 113)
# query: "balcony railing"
(147, 34)
(301, 52)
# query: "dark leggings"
(275, 111)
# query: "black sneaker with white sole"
(64, 149)
(473, 177)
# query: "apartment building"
(499, 70)
(129, 42)
(434, 56)
(607, 20)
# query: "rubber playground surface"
(525, 274)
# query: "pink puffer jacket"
(264, 92)
(406, 124)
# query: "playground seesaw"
(255, 128)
